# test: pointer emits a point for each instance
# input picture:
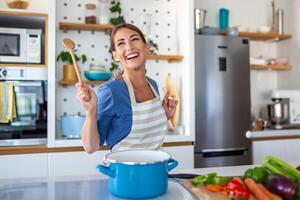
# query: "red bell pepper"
(237, 191)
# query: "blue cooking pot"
(138, 174)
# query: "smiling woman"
(126, 112)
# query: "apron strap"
(131, 92)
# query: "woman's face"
(130, 49)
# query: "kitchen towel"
(174, 94)
(7, 102)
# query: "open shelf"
(21, 65)
(271, 67)
(65, 26)
(66, 83)
(169, 58)
(265, 36)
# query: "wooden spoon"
(70, 45)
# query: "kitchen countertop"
(92, 187)
(271, 134)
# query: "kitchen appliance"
(138, 174)
(284, 112)
(29, 127)
(20, 45)
(222, 100)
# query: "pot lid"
(133, 157)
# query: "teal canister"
(224, 18)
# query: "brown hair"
(125, 25)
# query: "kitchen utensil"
(280, 24)
(183, 176)
(138, 174)
(70, 45)
(278, 112)
(71, 125)
(201, 192)
(199, 15)
(224, 18)
(97, 75)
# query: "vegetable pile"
(274, 180)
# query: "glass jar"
(104, 13)
(90, 13)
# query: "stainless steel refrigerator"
(222, 84)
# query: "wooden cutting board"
(203, 194)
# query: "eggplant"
(282, 186)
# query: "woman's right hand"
(87, 97)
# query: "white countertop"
(93, 187)
(271, 133)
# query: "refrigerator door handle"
(223, 152)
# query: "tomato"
(298, 168)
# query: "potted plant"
(116, 13)
(69, 73)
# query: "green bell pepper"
(258, 174)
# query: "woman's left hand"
(169, 105)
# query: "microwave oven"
(19, 45)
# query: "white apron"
(149, 123)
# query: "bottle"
(90, 13)
(224, 18)
(280, 21)
(104, 14)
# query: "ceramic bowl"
(97, 75)
(264, 29)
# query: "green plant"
(66, 57)
(116, 10)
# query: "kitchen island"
(280, 143)
(92, 187)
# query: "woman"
(126, 112)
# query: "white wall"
(291, 48)
(254, 14)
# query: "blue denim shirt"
(114, 116)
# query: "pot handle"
(106, 170)
(172, 164)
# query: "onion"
(282, 186)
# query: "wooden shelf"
(271, 67)
(169, 58)
(66, 83)
(21, 65)
(265, 36)
(65, 26)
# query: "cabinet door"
(184, 155)
(81, 163)
(75, 163)
(286, 150)
(23, 166)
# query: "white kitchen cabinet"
(81, 163)
(184, 155)
(285, 149)
(23, 166)
(74, 163)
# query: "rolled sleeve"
(105, 112)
